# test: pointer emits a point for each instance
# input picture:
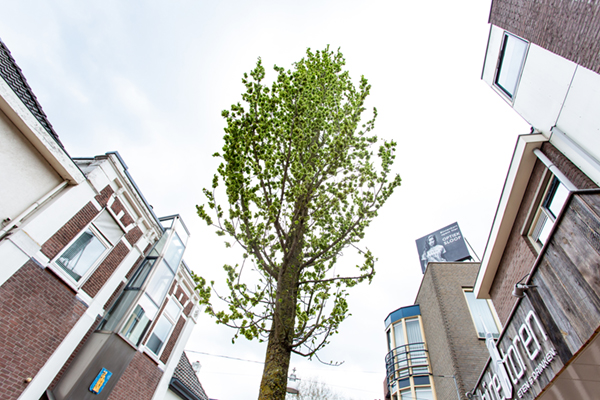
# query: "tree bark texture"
(277, 361)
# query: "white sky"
(149, 80)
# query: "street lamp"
(292, 383)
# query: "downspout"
(554, 169)
(32, 208)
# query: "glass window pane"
(141, 274)
(159, 335)
(424, 394)
(399, 334)
(182, 232)
(160, 283)
(148, 305)
(482, 315)
(406, 395)
(413, 331)
(544, 226)
(513, 54)
(106, 224)
(158, 248)
(172, 309)
(174, 252)
(136, 325)
(118, 310)
(558, 199)
(81, 255)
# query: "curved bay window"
(407, 362)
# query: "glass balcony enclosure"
(138, 305)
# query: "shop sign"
(516, 364)
(100, 381)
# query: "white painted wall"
(580, 116)
(543, 88)
(25, 176)
(554, 91)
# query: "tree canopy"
(302, 183)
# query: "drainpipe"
(32, 208)
(554, 169)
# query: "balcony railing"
(405, 361)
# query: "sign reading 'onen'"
(517, 363)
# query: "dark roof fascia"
(179, 388)
(14, 78)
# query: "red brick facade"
(133, 235)
(139, 380)
(519, 254)
(32, 291)
(105, 195)
(164, 357)
(105, 270)
(72, 228)
(568, 28)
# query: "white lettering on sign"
(509, 367)
(537, 372)
(451, 238)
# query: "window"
(418, 357)
(164, 326)
(482, 315)
(80, 258)
(424, 393)
(510, 64)
(549, 208)
(155, 292)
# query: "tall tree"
(301, 185)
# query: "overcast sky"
(150, 78)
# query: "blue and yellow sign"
(98, 384)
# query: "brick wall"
(164, 357)
(75, 352)
(452, 340)
(29, 292)
(139, 380)
(104, 195)
(133, 235)
(72, 228)
(105, 270)
(568, 28)
(519, 255)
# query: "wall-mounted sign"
(100, 381)
(516, 363)
(446, 244)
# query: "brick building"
(435, 347)
(94, 294)
(541, 265)
(543, 59)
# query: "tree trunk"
(277, 361)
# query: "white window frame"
(171, 319)
(544, 217)
(492, 311)
(77, 284)
(500, 63)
